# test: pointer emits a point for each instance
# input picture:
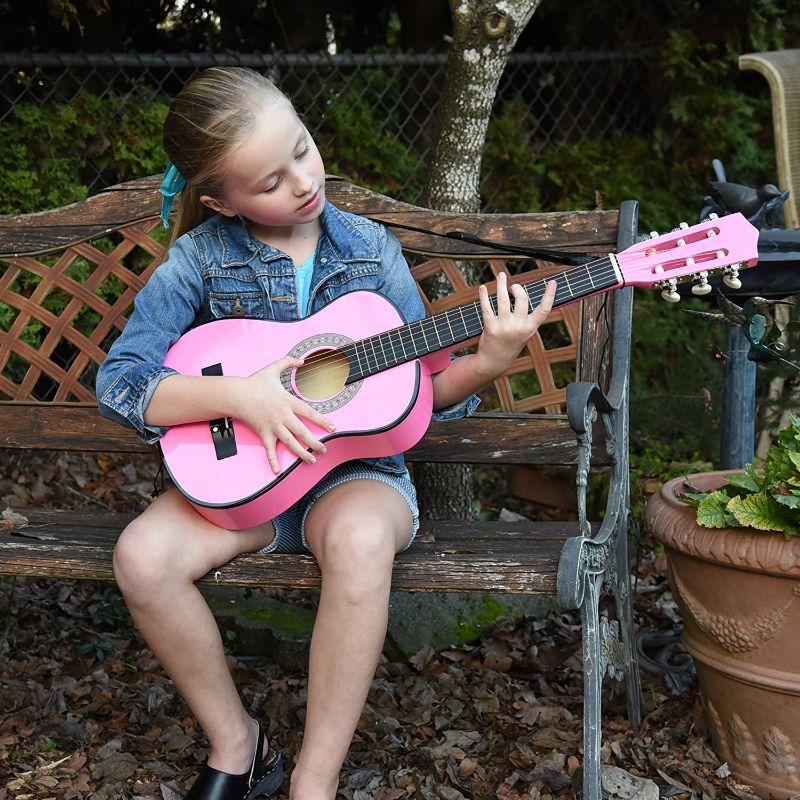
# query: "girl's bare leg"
(156, 562)
(354, 531)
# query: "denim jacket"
(219, 270)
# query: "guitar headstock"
(719, 244)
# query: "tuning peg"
(653, 234)
(731, 277)
(669, 293)
(702, 286)
(683, 225)
(713, 215)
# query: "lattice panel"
(59, 313)
(538, 379)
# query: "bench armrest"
(590, 552)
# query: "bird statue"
(760, 352)
(754, 319)
(762, 205)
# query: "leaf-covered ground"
(86, 711)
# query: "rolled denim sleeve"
(464, 408)
(399, 286)
(164, 309)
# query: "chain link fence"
(551, 99)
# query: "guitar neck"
(450, 328)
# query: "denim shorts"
(289, 526)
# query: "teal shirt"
(303, 279)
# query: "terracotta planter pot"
(739, 592)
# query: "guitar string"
(430, 325)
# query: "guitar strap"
(554, 256)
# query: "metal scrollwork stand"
(600, 557)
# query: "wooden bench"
(48, 361)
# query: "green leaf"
(790, 500)
(712, 513)
(760, 511)
(693, 498)
(746, 481)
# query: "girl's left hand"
(506, 332)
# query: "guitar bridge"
(222, 433)
(223, 436)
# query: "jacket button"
(323, 260)
(238, 308)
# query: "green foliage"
(507, 158)
(767, 501)
(696, 105)
(52, 151)
(357, 140)
(653, 465)
(676, 383)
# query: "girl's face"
(275, 178)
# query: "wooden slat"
(520, 557)
(480, 439)
(127, 203)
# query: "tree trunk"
(484, 34)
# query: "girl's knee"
(361, 551)
(143, 558)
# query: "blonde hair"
(208, 118)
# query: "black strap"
(555, 256)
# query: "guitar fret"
(463, 321)
(383, 349)
(447, 318)
(369, 350)
(391, 344)
(424, 337)
(402, 345)
(436, 331)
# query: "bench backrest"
(68, 278)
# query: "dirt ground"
(87, 712)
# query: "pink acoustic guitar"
(370, 374)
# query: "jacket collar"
(345, 238)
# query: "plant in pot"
(732, 541)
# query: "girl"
(256, 237)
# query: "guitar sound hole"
(323, 375)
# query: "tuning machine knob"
(669, 292)
(702, 286)
(731, 277)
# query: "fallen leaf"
(10, 519)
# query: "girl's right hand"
(274, 414)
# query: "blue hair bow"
(172, 184)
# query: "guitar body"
(383, 414)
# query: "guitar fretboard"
(456, 325)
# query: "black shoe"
(263, 779)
